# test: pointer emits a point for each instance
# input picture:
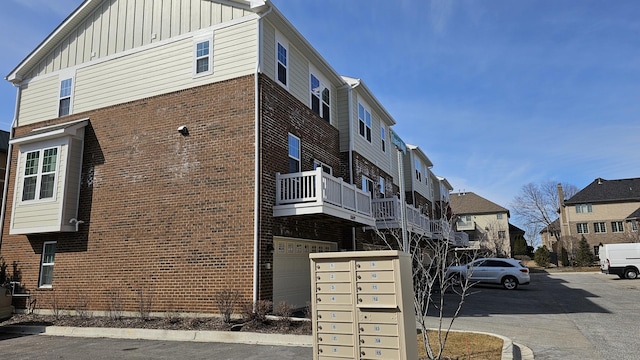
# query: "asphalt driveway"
(560, 315)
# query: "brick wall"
(167, 215)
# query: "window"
(499, 216)
(320, 98)
(582, 228)
(502, 234)
(599, 227)
(583, 208)
(203, 57)
(596, 250)
(634, 225)
(381, 186)
(46, 265)
(364, 120)
(40, 174)
(326, 168)
(64, 105)
(383, 138)
(418, 165)
(367, 184)
(617, 227)
(294, 154)
(282, 61)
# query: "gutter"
(5, 191)
(257, 165)
(350, 112)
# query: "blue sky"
(497, 93)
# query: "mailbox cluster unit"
(362, 305)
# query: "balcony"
(441, 229)
(318, 193)
(387, 214)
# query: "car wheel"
(510, 283)
(631, 273)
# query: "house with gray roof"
(604, 212)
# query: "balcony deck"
(318, 193)
(387, 214)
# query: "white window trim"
(599, 227)
(367, 110)
(618, 228)
(62, 76)
(317, 163)
(364, 182)
(582, 228)
(381, 186)
(417, 163)
(198, 40)
(383, 138)
(324, 84)
(298, 159)
(43, 264)
(40, 147)
(285, 44)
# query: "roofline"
(356, 82)
(417, 148)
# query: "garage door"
(291, 271)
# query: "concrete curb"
(168, 335)
(233, 337)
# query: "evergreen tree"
(519, 246)
(542, 257)
(565, 257)
(584, 257)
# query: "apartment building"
(174, 150)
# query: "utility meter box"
(362, 305)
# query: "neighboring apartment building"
(485, 222)
(604, 212)
(185, 149)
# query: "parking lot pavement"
(561, 315)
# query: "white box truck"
(620, 259)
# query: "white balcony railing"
(387, 214)
(311, 191)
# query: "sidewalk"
(511, 351)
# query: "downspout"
(8, 166)
(350, 157)
(257, 166)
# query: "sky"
(497, 93)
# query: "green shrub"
(542, 257)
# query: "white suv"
(508, 272)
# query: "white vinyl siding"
(155, 71)
(372, 151)
(50, 214)
(121, 25)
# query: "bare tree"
(436, 295)
(537, 205)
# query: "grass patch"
(464, 346)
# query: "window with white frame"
(381, 186)
(294, 154)
(418, 165)
(326, 168)
(634, 225)
(320, 98)
(364, 122)
(64, 104)
(383, 138)
(282, 61)
(203, 56)
(499, 216)
(46, 264)
(599, 227)
(583, 228)
(367, 184)
(583, 208)
(40, 171)
(617, 226)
